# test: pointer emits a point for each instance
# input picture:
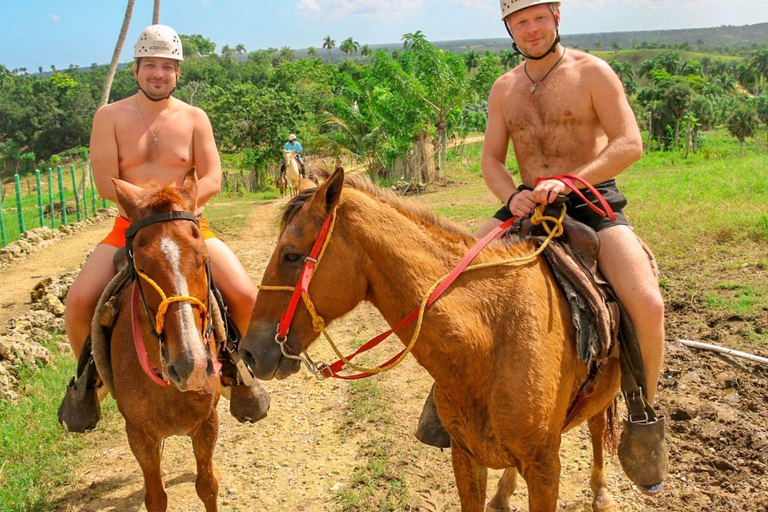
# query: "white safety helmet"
(511, 6)
(159, 41)
(292, 137)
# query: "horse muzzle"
(264, 356)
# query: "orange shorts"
(116, 237)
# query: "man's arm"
(104, 153)
(625, 145)
(494, 159)
(207, 159)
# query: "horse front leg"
(543, 478)
(504, 490)
(471, 479)
(203, 444)
(148, 452)
(598, 482)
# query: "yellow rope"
(318, 323)
(167, 301)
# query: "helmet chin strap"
(518, 50)
(150, 98)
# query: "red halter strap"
(568, 179)
(304, 279)
(138, 340)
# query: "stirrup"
(249, 404)
(643, 454)
(80, 411)
(430, 430)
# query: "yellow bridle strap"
(318, 324)
(167, 301)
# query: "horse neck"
(404, 257)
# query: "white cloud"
(55, 18)
(382, 10)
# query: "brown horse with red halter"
(499, 342)
(164, 368)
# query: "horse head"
(302, 222)
(289, 155)
(170, 259)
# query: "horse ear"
(126, 197)
(189, 189)
(330, 191)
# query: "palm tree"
(227, 52)
(742, 124)
(329, 44)
(471, 60)
(349, 46)
(156, 13)
(312, 52)
(365, 51)
(240, 49)
(598, 44)
(116, 54)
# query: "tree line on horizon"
(380, 108)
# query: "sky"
(37, 33)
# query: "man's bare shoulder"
(194, 113)
(118, 108)
(506, 81)
(591, 66)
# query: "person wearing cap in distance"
(153, 137)
(566, 113)
(294, 145)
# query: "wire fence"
(49, 198)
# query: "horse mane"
(416, 212)
(159, 198)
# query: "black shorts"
(578, 209)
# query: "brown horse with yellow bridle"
(499, 342)
(164, 367)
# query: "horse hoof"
(79, 414)
(604, 503)
(492, 507)
(249, 404)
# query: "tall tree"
(156, 13)
(742, 124)
(312, 52)
(116, 54)
(349, 46)
(329, 44)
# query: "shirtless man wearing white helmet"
(566, 113)
(153, 137)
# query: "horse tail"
(612, 424)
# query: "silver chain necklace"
(154, 135)
(536, 84)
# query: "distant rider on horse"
(294, 145)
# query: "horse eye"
(291, 257)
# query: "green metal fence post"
(19, 211)
(93, 187)
(40, 211)
(85, 191)
(2, 222)
(50, 198)
(74, 188)
(62, 199)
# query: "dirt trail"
(302, 454)
(64, 254)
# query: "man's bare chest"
(170, 145)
